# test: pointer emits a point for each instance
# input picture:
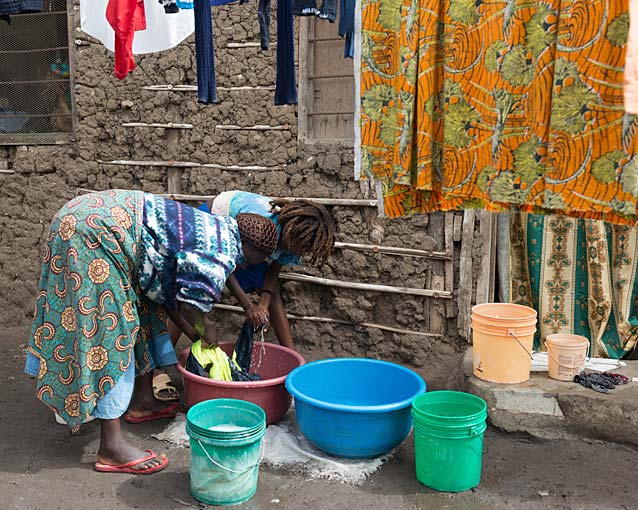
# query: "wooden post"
(302, 107)
(449, 265)
(487, 272)
(465, 274)
(436, 276)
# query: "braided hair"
(308, 228)
(258, 231)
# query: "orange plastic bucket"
(566, 355)
(503, 338)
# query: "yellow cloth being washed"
(215, 358)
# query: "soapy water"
(226, 427)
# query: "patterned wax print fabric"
(497, 105)
(232, 203)
(582, 278)
(188, 254)
(90, 319)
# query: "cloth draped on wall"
(582, 278)
(497, 105)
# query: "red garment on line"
(125, 17)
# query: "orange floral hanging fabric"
(497, 105)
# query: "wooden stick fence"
(330, 320)
(356, 202)
(441, 294)
(247, 45)
(230, 127)
(395, 250)
(193, 88)
(168, 125)
(191, 164)
(202, 198)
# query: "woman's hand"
(257, 316)
(185, 327)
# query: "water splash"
(262, 350)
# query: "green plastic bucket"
(226, 450)
(448, 439)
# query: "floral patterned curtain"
(497, 105)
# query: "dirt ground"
(44, 467)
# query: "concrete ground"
(44, 467)
(550, 409)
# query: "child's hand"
(257, 316)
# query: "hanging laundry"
(582, 278)
(205, 53)
(519, 105)
(188, 4)
(170, 6)
(263, 14)
(162, 33)
(630, 84)
(346, 26)
(328, 9)
(286, 82)
(9, 7)
(125, 17)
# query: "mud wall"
(46, 176)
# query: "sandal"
(163, 383)
(129, 467)
(168, 412)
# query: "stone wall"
(46, 176)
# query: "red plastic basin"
(270, 393)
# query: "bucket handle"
(562, 364)
(261, 458)
(511, 333)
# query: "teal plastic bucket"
(448, 439)
(226, 450)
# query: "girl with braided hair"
(305, 229)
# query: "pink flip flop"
(128, 468)
(168, 412)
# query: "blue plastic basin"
(354, 407)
